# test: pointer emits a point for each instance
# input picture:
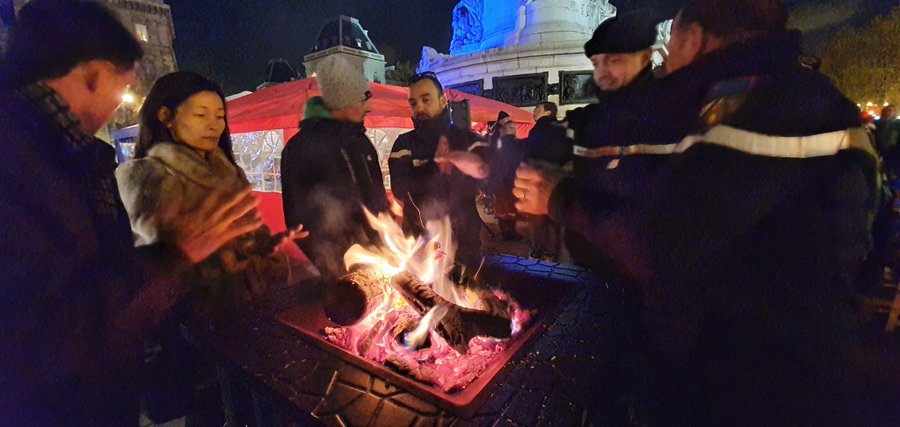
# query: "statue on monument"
(597, 12)
(480, 25)
(467, 26)
(430, 56)
(600, 11)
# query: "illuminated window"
(141, 31)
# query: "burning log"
(406, 324)
(459, 324)
(366, 342)
(353, 296)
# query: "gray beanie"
(341, 84)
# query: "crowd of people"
(732, 194)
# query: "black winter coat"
(548, 142)
(744, 259)
(77, 298)
(329, 171)
(505, 159)
(580, 119)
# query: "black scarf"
(93, 157)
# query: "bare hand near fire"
(443, 149)
(289, 235)
(396, 209)
(467, 163)
(533, 186)
(200, 232)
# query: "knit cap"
(341, 84)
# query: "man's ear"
(91, 75)
(443, 100)
(694, 42)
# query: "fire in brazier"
(398, 306)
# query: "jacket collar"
(544, 121)
(315, 113)
(315, 109)
(90, 156)
(643, 79)
(767, 54)
(214, 171)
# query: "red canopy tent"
(281, 107)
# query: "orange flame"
(415, 338)
(429, 257)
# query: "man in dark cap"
(79, 300)
(620, 51)
(502, 138)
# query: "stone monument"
(522, 52)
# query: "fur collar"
(212, 172)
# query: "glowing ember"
(417, 309)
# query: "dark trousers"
(544, 236)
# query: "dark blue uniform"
(593, 153)
(740, 216)
(427, 194)
(586, 151)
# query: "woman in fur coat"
(183, 159)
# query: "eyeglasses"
(422, 75)
(426, 75)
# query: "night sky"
(233, 41)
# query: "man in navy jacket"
(740, 215)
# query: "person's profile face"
(685, 45)
(538, 112)
(107, 92)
